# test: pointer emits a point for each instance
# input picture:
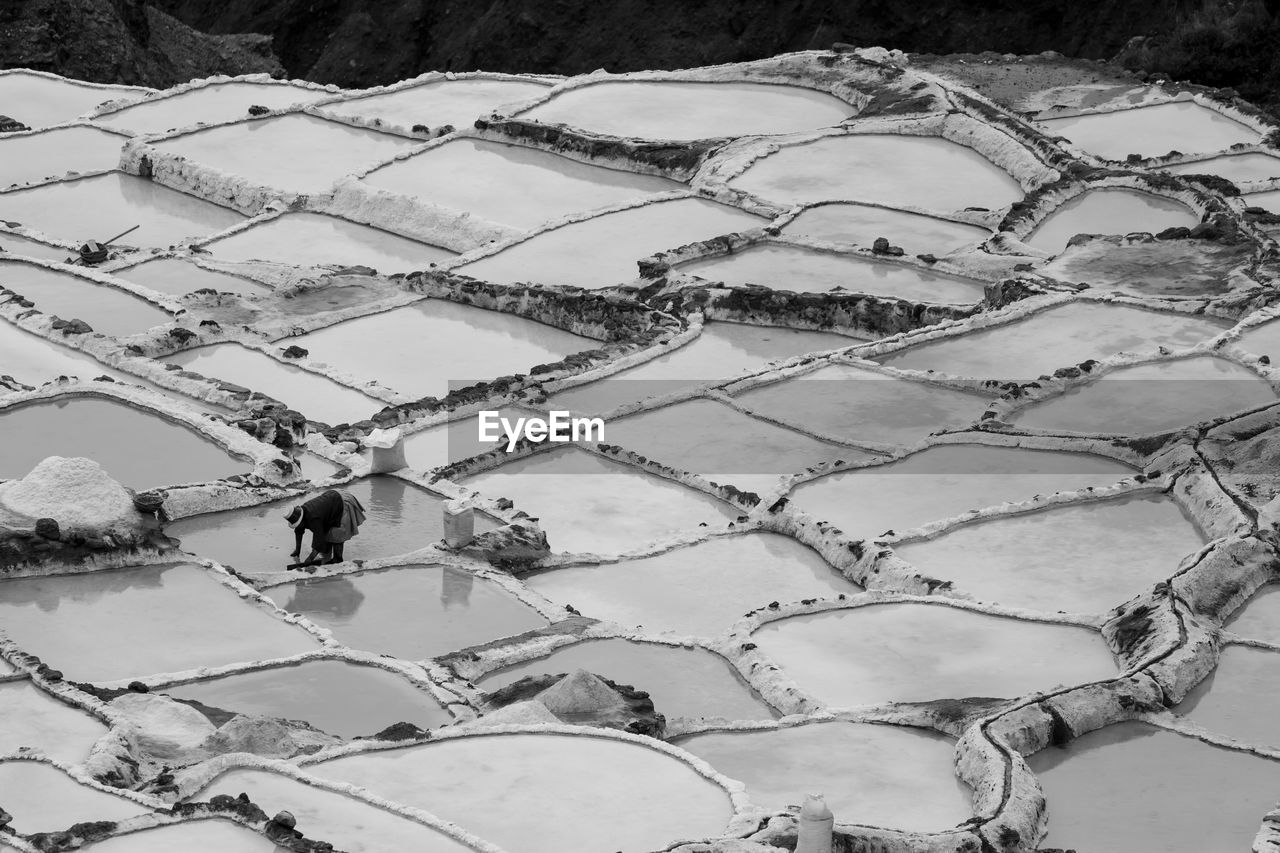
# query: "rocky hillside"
(122, 41)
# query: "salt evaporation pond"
(1259, 618)
(12, 244)
(176, 278)
(211, 104)
(439, 342)
(721, 351)
(862, 224)
(510, 184)
(33, 360)
(39, 101)
(1109, 211)
(921, 652)
(337, 697)
(69, 296)
(854, 404)
(1049, 561)
(198, 836)
(316, 396)
(1060, 337)
(1262, 340)
(296, 152)
(683, 682)
(794, 268)
(724, 445)
(41, 798)
(30, 718)
(1270, 200)
(313, 239)
(559, 793)
(138, 448)
(121, 624)
(869, 775)
(1234, 699)
(669, 109)
(946, 481)
(1133, 788)
(1151, 397)
(603, 251)
(669, 591)
(626, 508)
(349, 824)
(410, 612)
(400, 518)
(456, 440)
(453, 102)
(1151, 131)
(55, 153)
(927, 172)
(100, 207)
(1237, 168)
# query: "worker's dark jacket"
(320, 515)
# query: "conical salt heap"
(581, 693)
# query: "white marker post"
(459, 524)
(388, 450)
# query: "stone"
(48, 528)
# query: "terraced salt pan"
(861, 224)
(1151, 397)
(413, 612)
(33, 360)
(1269, 199)
(56, 153)
(175, 277)
(316, 396)
(930, 173)
(126, 623)
(194, 835)
(512, 185)
(42, 798)
(313, 239)
(1263, 340)
(440, 342)
(1233, 699)
(1151, 131)
(559, 793)
(1059, 337)
(30, 718)
(920, 652)
(345, 822)
(870, 775)
(626, 508)
(38, 101)
(100, 207)
(1237, 168)
(139, 449)
(12, 244)
(340, 698)
(1133, 787)
(1049, 560)
(669, 592)
(723, 444)
(721, 351)
(1259, 619)
(107, 310)
(208, 105)
(945, 481)
(683, 682)
(297, 153)
(811, 271)
(453, 102)
(1110, 211)
(602, 251)
(856, 404)
(400, 518)
(683, 110)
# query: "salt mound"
(265, 736)
(75, 492)
(527, 713)
(580, 692)
(165, 730)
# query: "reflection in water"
(338, 598)
(455, 588)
